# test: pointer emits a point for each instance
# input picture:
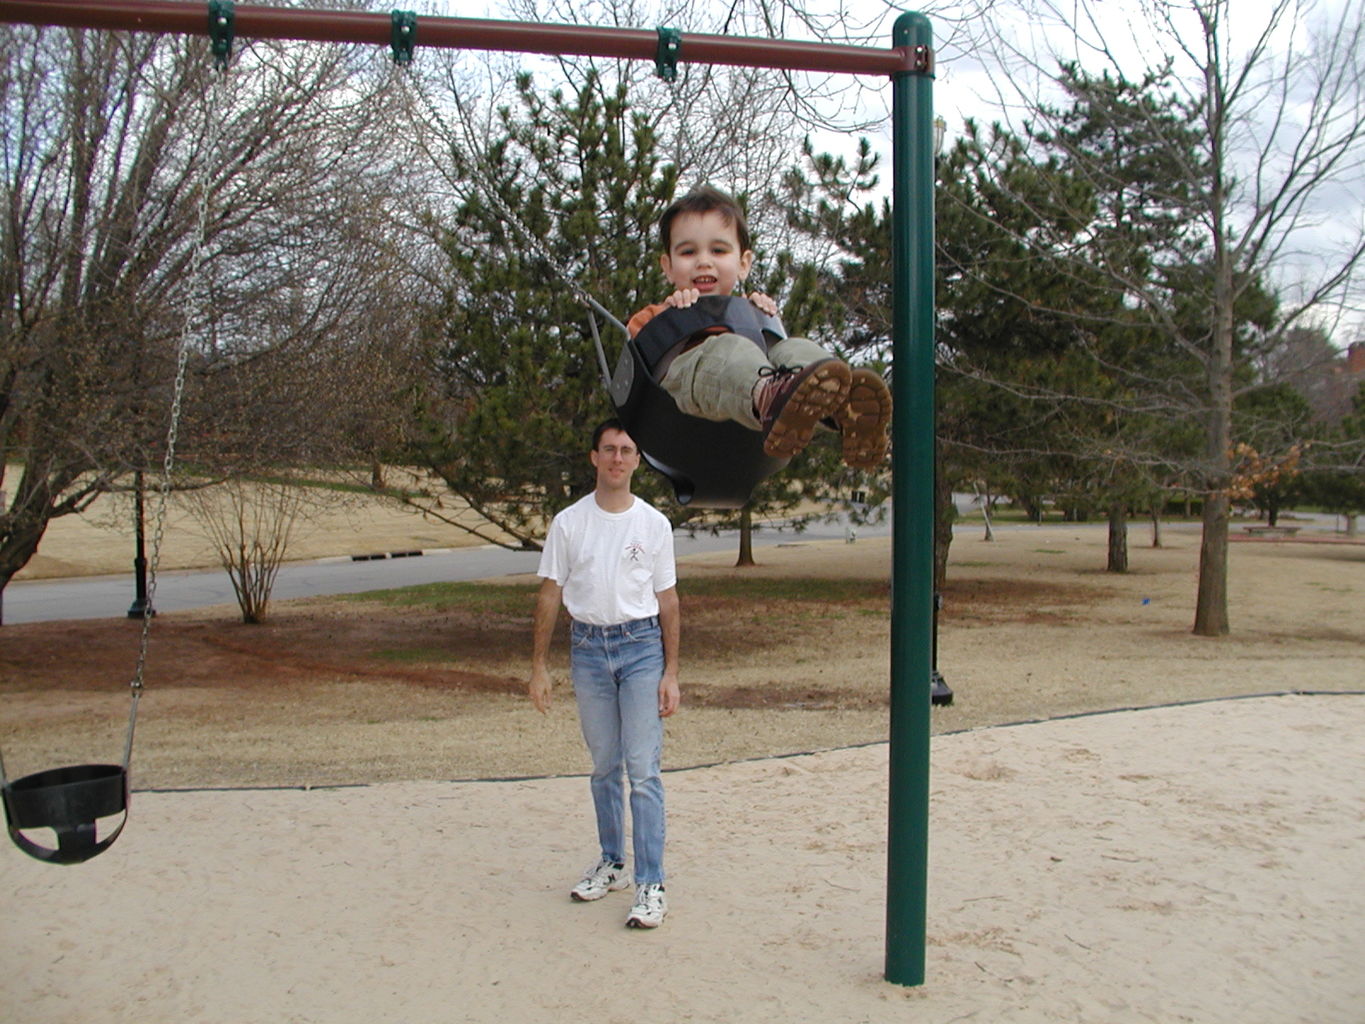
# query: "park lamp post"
(139, 608)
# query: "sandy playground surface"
(295, 854)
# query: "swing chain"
(193, 275)
(490, 191)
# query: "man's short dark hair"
(611, 424)
(703, 200)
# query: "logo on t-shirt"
(635, 551)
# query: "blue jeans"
(616, 672)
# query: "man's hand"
(669, 694)
(670, 623)
(543, 624)
(539, 689)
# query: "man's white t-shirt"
(609, 564)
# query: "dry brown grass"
(353, 691)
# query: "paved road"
(101, 597)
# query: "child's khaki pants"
(715, 380)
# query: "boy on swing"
(783, 393)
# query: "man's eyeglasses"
(625, 451)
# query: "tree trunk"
(1211, 610)
(746, 539)
(1118, 538)
(1156, 526)
(20, 541)
(1211, 606)
(23, 524)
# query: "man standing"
(609, 558)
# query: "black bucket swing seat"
(69, 801)
(710, 463)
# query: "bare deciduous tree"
(111, 143)
(250, 524)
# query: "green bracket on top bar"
(221, 18)
(403, 35)
(666, 57)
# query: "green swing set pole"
(912, 348)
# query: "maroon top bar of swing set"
(172, 16)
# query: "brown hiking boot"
(865, 420)
(790, 401)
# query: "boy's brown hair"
(701, 200)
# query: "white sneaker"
(600, 879)
(650, 907)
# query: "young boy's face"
(704, 254)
